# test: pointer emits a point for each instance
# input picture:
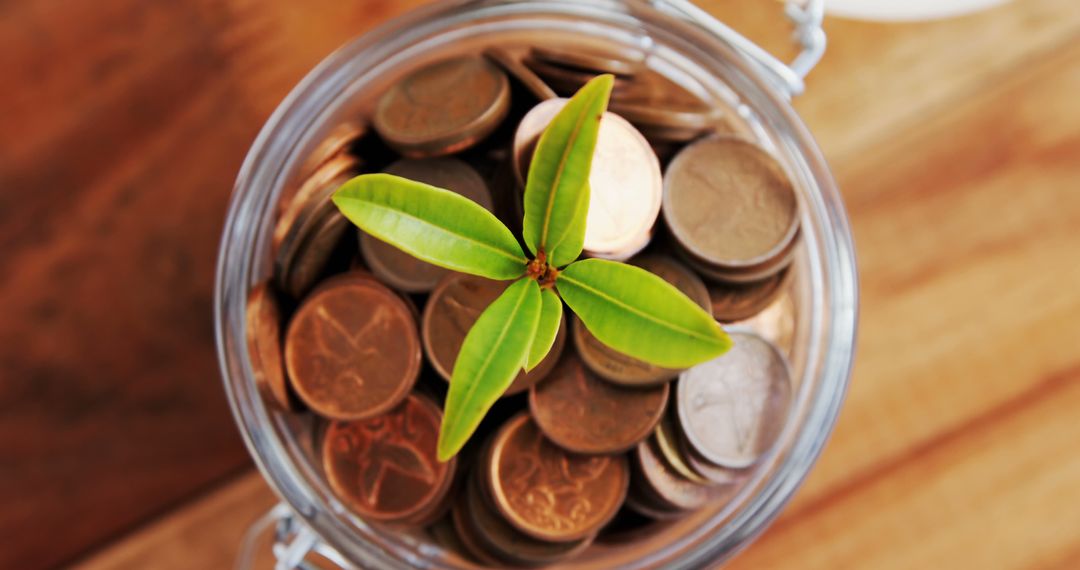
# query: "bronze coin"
(313, 192)
(352, 350)
(385, 467)
(444, 107)
(666, 111)
(263, 320)
(625, 369)
(335, 143)
(743, 275)
(500, 538)
(549, 493)
(309, 259)
(401, 270)
(468, 534)
(565, 80)
(732, 408)
(583, 414)
(519, 71)
(666, 441)
(669, 486)
(730, 203)
(731, 303)
(624, 63)
(451, 312)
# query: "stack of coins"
(362, 338)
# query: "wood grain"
(955, 144)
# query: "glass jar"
(682, 42)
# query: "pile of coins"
(363, 337)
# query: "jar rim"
(276, 151)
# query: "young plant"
(625, 307)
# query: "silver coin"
(732, 408)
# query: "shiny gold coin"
(444, 107)
(624, 63)
(263, 320)
(513, 65)
(549, 493)
(399, 269)
(622, 368)
(730, 204)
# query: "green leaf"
(569, 249)
(550, 317)
(432, 224)
(559, 171)
(494, 351)
(640, 314)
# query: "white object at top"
(905, 10)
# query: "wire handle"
(805, 15)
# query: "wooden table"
(956, 144)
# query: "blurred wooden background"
(956, 143)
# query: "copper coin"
(581, 413)
(625, 369)
(669, 486)
(444, 107)
(500, 538)
(399, 269)
(565, 80)
(385, 467)
(549, 493)
(335, 143)
(731, 303)
(521, 72)
(352, 350)
(451, 312)
(623, 63)
(312, 193)
(625, 182)
(730, 203)
(309, 259)
(468, 534)
(743, 275)
(732, 408)
(263, 320)
(666, 111)
(666, 441)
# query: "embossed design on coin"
(583, 414)
(549, 493)
(385, 467)
(730, 203)
(452, 310)
(444, 107)
(732, 408)
(352, 349)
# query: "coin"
(732, 303)
(304, 267)
(624, 63)
(444, 107)
(352, 350)
(732, 408)
(743, 275)
(549, 493)
(506, 542)
(581, 413)
(336, 142)
(399, 269)
(666, 441)
(776, 323)
(312, 192)
(729, 203)
(625, 182)
(564, 80)
(519, 71)
(672, 489)
(263, 320)
(665, 111)
(622, 368)
(468, 534)
(451, 312)
(385, 467)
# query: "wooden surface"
(956, 144)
